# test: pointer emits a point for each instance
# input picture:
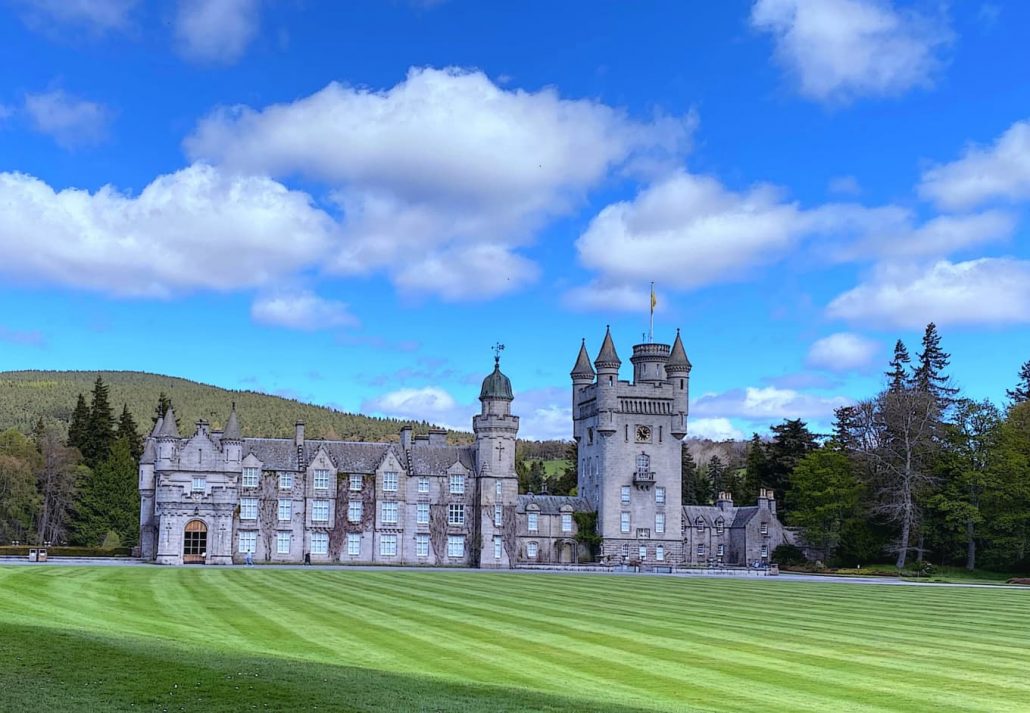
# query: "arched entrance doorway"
(194, 542)
(566, 552)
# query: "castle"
(215, 497)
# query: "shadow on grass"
(50, 669)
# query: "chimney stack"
(724, 501)
(298, 437)
(406, 437)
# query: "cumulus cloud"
(715, 429)
(301, 310)
(766, 403)
(991, 291)
(196, 229)
(1000, 171)
(843, 351)
(442, 174)
(838, 50)
(216, 30)
(687, 231)
(69, 120)
(97, 16)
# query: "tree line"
(915, 472)
(78, 488)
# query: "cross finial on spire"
(498, 348)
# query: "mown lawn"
(148, 638)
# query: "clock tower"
(629, 437)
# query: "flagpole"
(650, 335)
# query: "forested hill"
(25, 396)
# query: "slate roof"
(435, 460)
(552, 504)
(168, 427)
(149, 455)
(708, 513)
(232, 427)
(583, 367)
(678, 356)
(607, 357)
(274, 453)
(744, 515)
(359, 457)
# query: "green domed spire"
(496, 385)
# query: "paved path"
(784, 577)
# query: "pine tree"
(755, 470)
(163, 404)
(79, 424)
(845, 425)
(128, 430)
(1022, 391)
(110, 500)
(688, 478)
(929, 376)
(898, 376)
(99, 432)
(716, 473)
(791, 442)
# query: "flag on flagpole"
(654, 300)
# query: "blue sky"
(349, 203)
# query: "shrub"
(790, 555)
(111, 541)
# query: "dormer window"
(699, 524)
(720, 526)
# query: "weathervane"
(498, 348)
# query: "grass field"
(147, 638)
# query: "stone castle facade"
(214, 497)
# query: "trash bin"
(33, 555)
(41, 555)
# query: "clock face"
(643, 433)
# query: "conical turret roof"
(168, 427)
(157, 427)
(232, 426)
(583, 368)
(678, 356)
(607, 358)
(149, 454)
(496, 385)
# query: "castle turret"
(582, 374)
(167, 436)
(607, 364)
(496, 484)
(677, 370)
(232, 441)
(649, 362)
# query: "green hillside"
(27, 395)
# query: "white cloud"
(429, 403)
(97, 16)
(843, 351)
(982, 174)
(69, 120)
(767, 402)
(715, 429)
(985, 291)
(443, 173)
(216, 30)
(196, 229)
(301, 310)
(841, 49)
(687, 231)
(6, 112)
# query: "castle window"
(499, 489)
(285, 509)
(532, 549)
(590, 436)
(659, 434)
(457, 484)
(353, 544)
(422, 514)
(321, 479)
(681, 384)
(248, 508)
(250, 477)
(764, 528)
(642, 552)
(720, 526)
(721, 551)
(199, 485)
(282, 543)
(285, 481)
(388, 545)
(765, 551)
(624, 492)
(700, 550)
(532, 521)
(319, 543)
(497, 548)
(390, 482)
(659, 495)
(643, 463)
(498, 515)
(659, 522)
(456, 514)
(699, 524)
(624, 550)
(659, 553)
(421, 545)
(423, 484)
(566, 522)
(320, 511)
(248, 541)
(390, 513)
(354, 511)
(624, 521)
(455, 546)
(355, 481)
